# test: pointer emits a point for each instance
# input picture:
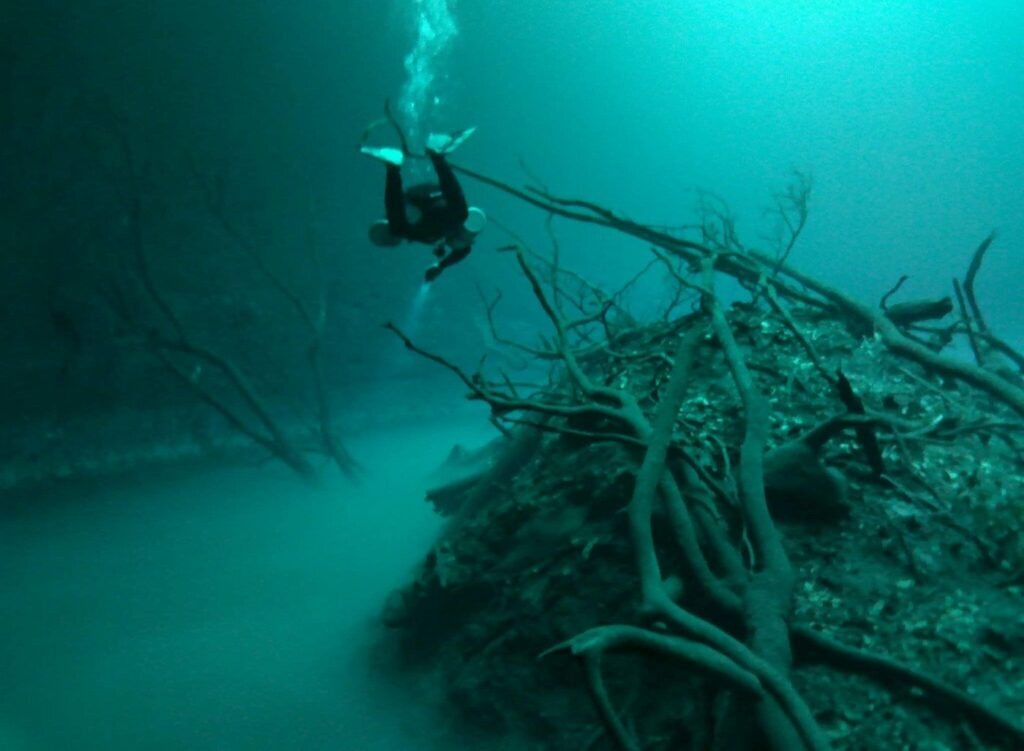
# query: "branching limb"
(736, 265)
(652, 475)
(791, 208)
(591, 645)
(489, 307)
(278, 442)
(1001, 346)
(618, 406)
(312, 320)
(275, 440)
(968, 324)
(813, 646)
(915, 311)
(773, 300)
(768, 598)
(502, 404)
(708, 662)
(972, 272)
(753, 266)
(602, 701)
(900, 344)
(767, 542)
(884, 302)
(865, 430)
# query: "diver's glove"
(446, 143)
(386, 154)
(432, 273)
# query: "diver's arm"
(454, 256)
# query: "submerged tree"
(637, 417)
(200, 325)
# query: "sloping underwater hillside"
(789, 522)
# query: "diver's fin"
(386, 154)
(446, 143)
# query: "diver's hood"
(382, 236)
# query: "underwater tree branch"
(766, 539)
(752, 266)
(502, 404)
(968, 323)
(621, 407)
(902, 345)
(1001, 346)
(708, 662)
(972, 272)
(812, 354)
(813, 646)
(313, 322)
(602, 701)
(277, 442)
(791, 206)
(690, 251)
(769, 595)
(762, 599)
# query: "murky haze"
(221, 609)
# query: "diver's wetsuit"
(442, 205)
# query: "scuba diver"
(431, 213)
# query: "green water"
(219, 610)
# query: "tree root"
(813, 646)
(735, 627)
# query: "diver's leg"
(454, 198)
(394, 202)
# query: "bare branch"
(883, 303)
(968, 324)
(817, 647)
(972, 272)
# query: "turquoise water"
(236, 608)
(222, 609)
